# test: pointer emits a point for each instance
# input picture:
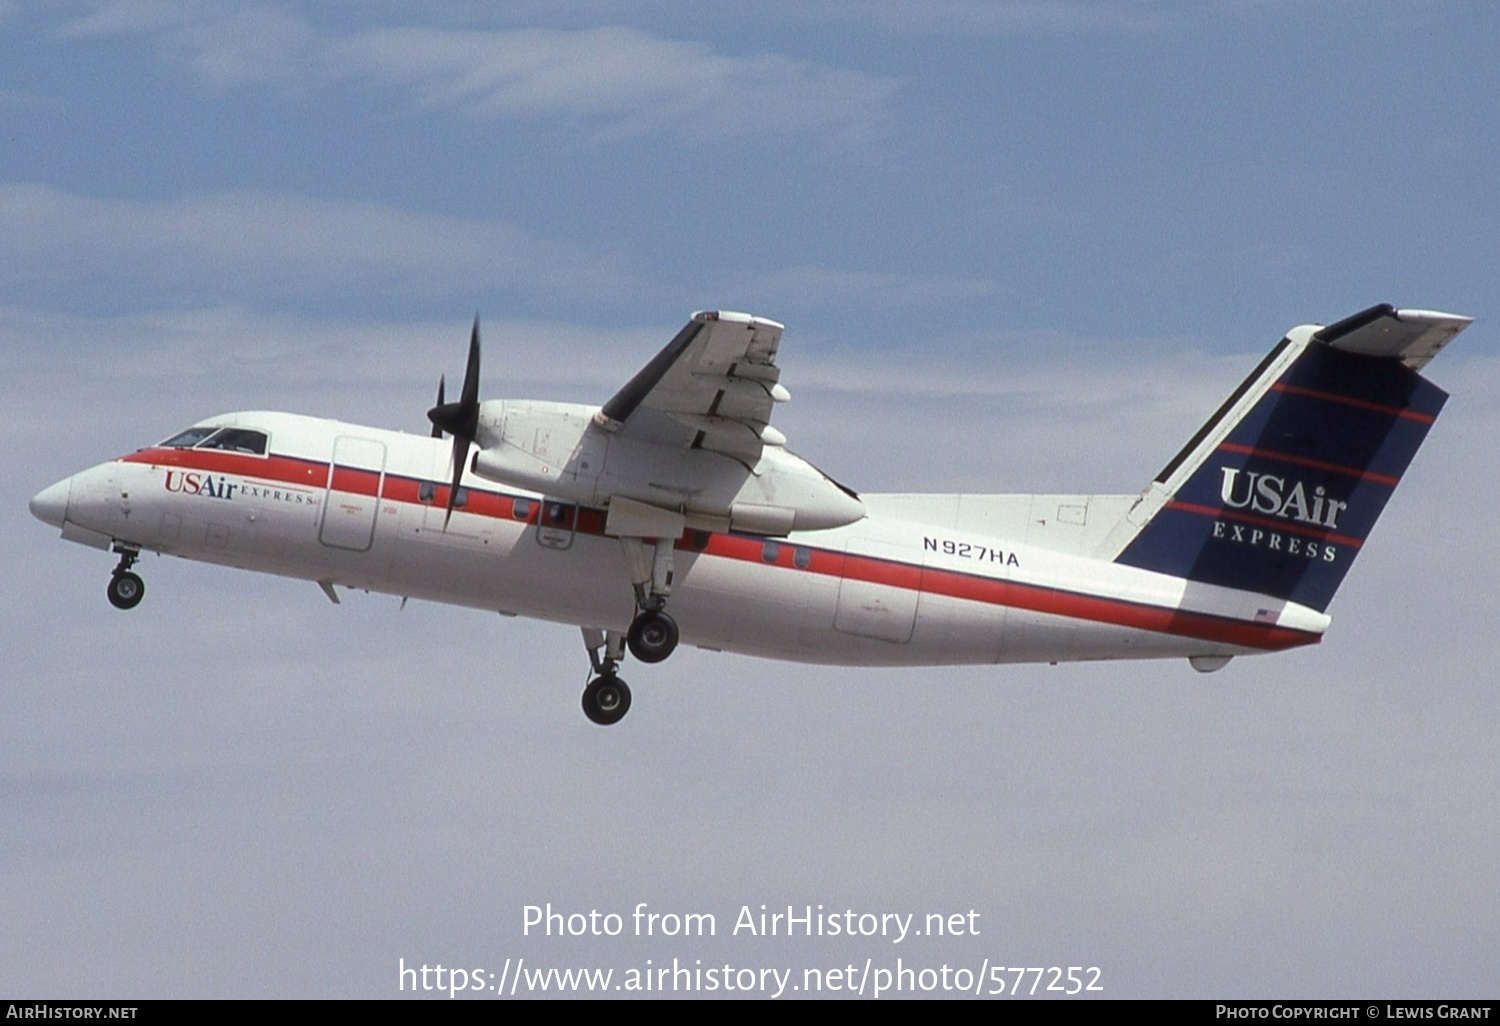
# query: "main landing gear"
(126, 589)
(653, 634)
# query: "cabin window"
(460, 498)
(557, 514)
(769, 551)
(520, 509)
(426, 491)
(802, 557)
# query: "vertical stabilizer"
(1277, 493)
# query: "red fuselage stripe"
(480, 502)
(1017, 595)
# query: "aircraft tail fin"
(1278, 491)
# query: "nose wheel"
(126, 589)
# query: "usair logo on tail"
(1266, 493)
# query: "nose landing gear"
(606, 700)
(126, 589)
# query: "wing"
(716, 381)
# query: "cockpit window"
(228, 439)
(236, 440)
(189, 438)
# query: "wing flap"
(717, 378)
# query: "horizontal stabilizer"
(1412, 336)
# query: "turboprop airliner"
(675, 511)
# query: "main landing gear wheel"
(653, 636)
(606, 700)
(126, 590)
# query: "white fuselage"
(921, 580)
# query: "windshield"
(236, 440)
(189, 438)
(211, 437)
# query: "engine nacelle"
(557, 449)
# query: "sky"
(1018, 246)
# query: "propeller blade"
(460, 457)
(470, 394)
(437, 432)
(460, 419)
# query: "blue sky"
(1064, 162)
(1017, 246)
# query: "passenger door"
(353, 498)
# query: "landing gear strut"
(653, 634)
(606, 699)
(126, 589)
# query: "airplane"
(678, 493)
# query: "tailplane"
(1277, 493)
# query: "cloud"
(609, 82)
(992, 412)
(1054, 423)
(248, 247)
(205, 360)
(619, 80)
(994, 17)
(233, 243)
(812, 284)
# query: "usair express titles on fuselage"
(217, 486)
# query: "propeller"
(437, 432)
(460, 419)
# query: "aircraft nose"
(50, 505)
